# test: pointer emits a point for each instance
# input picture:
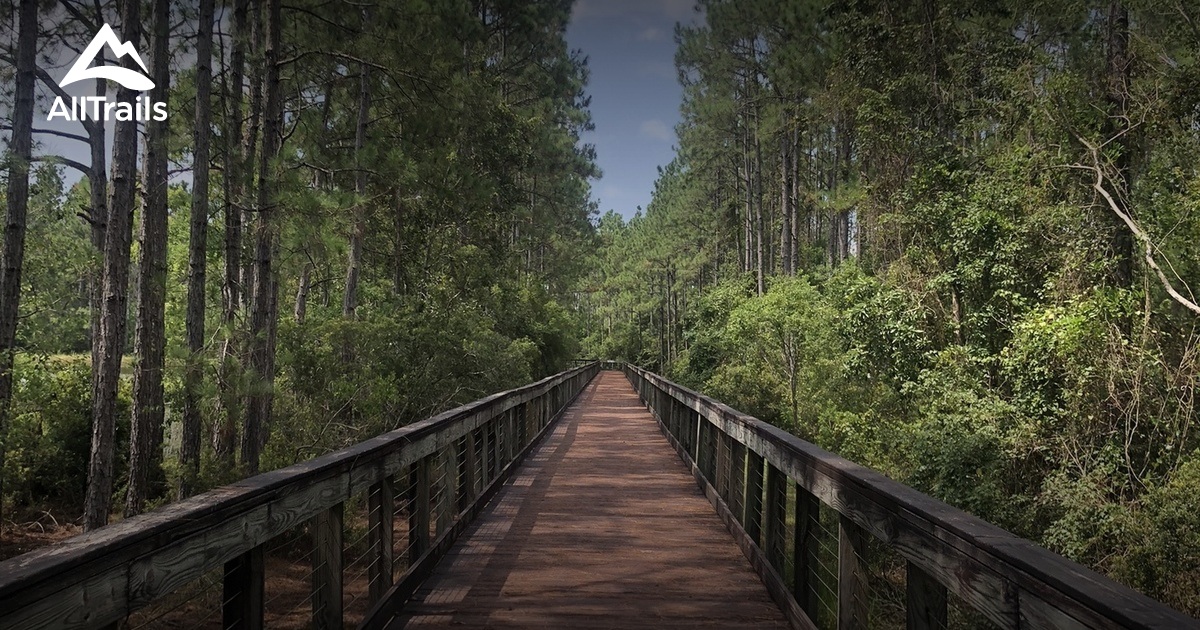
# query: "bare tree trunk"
(97, 219)
(258, 403)
(234, 187)
(358, 231)
(759, 224)
(788, 209)
(97, 214)
(398, 249)
(794, 195)
(300, 311)
(115, 298)
(749, 190)
(146, 426)
(251, 139)
(1118, 61)
(189, 454)
(12, 258)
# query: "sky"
(635, 93)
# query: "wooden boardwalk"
(602, 527)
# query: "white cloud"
(656, 129)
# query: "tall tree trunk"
(118, 234)
(846, 163)
(97, 219)
(358, 230)
(788, 209)
(1118, 62)
(251, 140)
(759, 223)
(258, 403)
(233, 178)
(146, 425)
(12, 258)
(794, 195)
(748, 187)
(189, 454)
(97, 215)
(398, 248)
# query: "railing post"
(473, 489)
(466, 493)
(485, 458)
(418, 509)
(805, 560)
(739, 485)
(514, 437)
(720, 478)
(379, 538)
(493, 449)
(852, 576)
(445, 483)
(327, 569)
(925, 600)
(450, 483)
(754, 496)
(523, 424)
(711, 447)
(773, 517)
(242, 591)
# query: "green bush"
(49, 434)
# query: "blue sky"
(635, 94)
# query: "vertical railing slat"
(379, 538)
(925, 600)
(243, 591)
(852, 576)
(753, 496)
(739, 485)
(418, 509)
(805, 550)
(774, 510)
(327, 568)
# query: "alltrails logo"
(99, 107)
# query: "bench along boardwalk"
(589, 519)
(602, 527)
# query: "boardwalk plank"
(603, 527)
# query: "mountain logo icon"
(131, 79)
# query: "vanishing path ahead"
(602, 527)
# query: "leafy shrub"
(49, 436)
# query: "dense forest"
(354, 215)
(950, 240)
(953, 241)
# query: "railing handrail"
(1011, 580)
(130, 563)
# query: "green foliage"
(49, 433)
(963, 313)
(54, 300)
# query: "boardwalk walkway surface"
(602, 527)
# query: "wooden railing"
(440, 472)
(796, 509)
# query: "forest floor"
(19, 538)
